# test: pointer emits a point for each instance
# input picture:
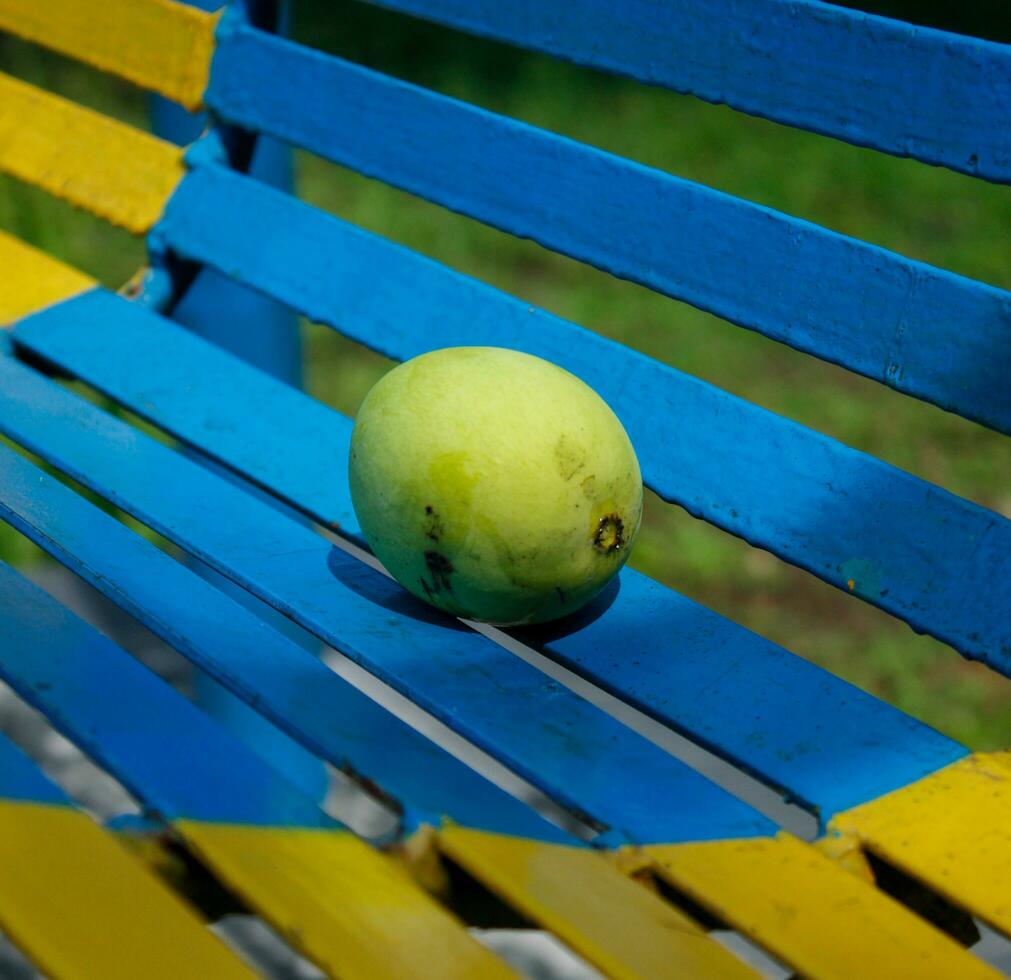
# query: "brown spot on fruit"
(571, 458)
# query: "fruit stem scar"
(610, 534)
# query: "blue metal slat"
(920, 329)
(163, 750)
(907, 90)
(268, 671)
(21, 779)
(571, 750)
(934, 560)
(795, 726)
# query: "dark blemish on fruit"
(589, 486)
(440, 568)
(433, 526)
(570, 459)
(610, 534)
(560, 592)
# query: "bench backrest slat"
(873, 311)
(907, 90)
(925, 555)
(33, 279)
(159, 45)
(95, 162)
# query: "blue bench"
(633, 858)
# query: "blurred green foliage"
(921, 211)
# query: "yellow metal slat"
(815, 916)
(951, 830)
(160, 45)
(81, 907)
(618, 926)
(351, 910)
(113, 170)
(32, 279)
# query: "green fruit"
(494, 485)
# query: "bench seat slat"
(160, 45)
(914, 327)
(226, 803)
(951, 830)
(560, 884)
(108, 168)
(820, 919)
(907, 90)
(257, 663)
(616, 925)
(184, 609)
(78, 904)
(33, 279)
(689, 667)
(164, 751)
(922, 554)
(496, 700)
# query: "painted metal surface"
(951, 830)
(163, 750)
(261, 332)
(907, 90)
(97, 163)
(874, 311)
(233, 809)
(573, 892)
(354, 912)
(33, 279)
(80, 907)
(922, 554)
(621, 928)
(159, 45)
(279, 678)
(796, 726)
(560, 743)
(814, 916)
(21, 779)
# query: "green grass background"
(920, 211)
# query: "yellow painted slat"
(952, 830)
(80, 907)
(620, 927)
(160, 45)
(97, 163)
(345, 906)
(32, 279)
(815, 916)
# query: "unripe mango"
(493, 484)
